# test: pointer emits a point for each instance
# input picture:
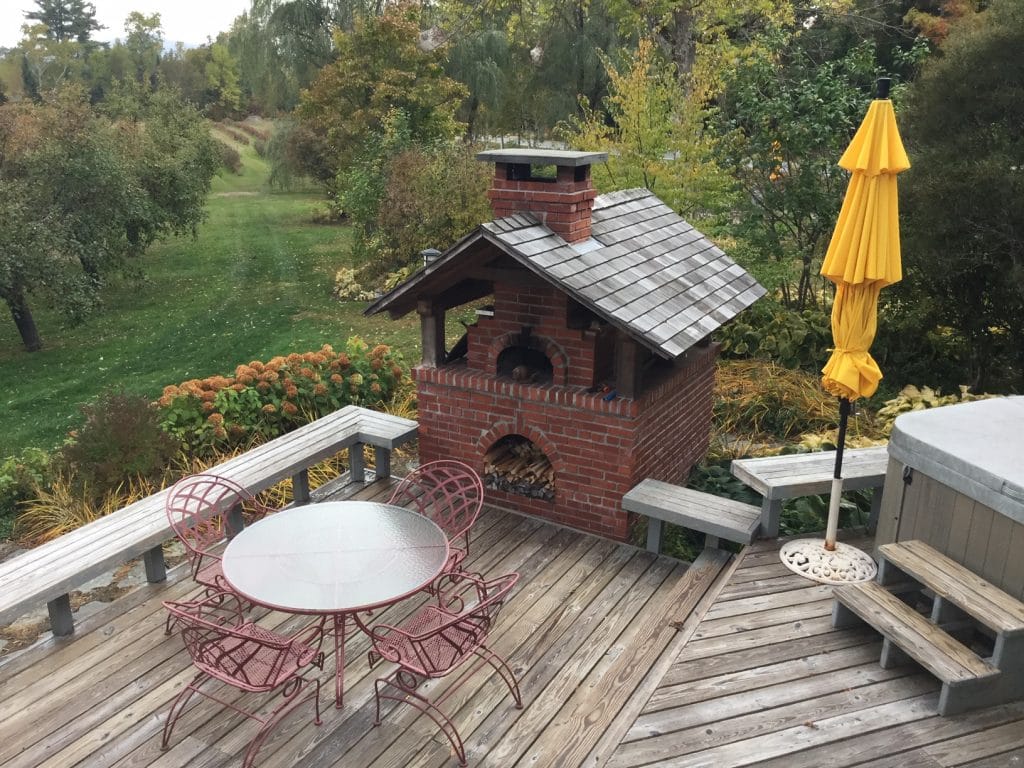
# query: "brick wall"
(599, 449)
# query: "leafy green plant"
(229, 157)
(913, 398)
(809, 514)
(787, 337)
(19, 477)
(120, 440)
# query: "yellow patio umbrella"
(862, 258)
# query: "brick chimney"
(562, 202)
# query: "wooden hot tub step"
(966, 678)
(955, 584)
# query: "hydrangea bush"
(266, 399)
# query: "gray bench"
(712, 515)
(778, 478)
(49, 573)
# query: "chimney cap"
(531, 156)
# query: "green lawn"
(256, 282)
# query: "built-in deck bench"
(962, 606)
(778, 478)
(49, 573)
(712, 515)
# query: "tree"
(46, 61)
(963, 199)
(380, 68)
(144, 40)
(784, 120)
(221, 73)
(81, 196)
(66, 19)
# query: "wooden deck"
(625, 659)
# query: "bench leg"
(892, 656)
(382, 463)
(61, 622)
(654, 532)
(300, 488)
(771, 512)
(356, 464)
(710, 542)
(156, 569)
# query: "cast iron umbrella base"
(843, 565)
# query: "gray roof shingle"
(646, 270)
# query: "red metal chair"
(451, 494)
(225, 647)
(205, 510)
(437, 639)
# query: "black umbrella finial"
(883, 84)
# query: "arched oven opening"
(515, 464)
(526, 364)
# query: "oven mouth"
(525, 364)
(517, 465)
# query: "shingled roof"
(644, 269)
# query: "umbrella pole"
(837, 477)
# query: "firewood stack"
(519, 466)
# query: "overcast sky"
(190, 21)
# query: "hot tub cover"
(975, 448)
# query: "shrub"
(249, 128)
(260, 145)
(120, 440)
(238, 136)
(912, 398)
(65, 505)
(20, 476)
(790, 338)
(264, 400)
(758, 401)
(230, 159)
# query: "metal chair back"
(447, 491)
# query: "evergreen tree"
(66, 19)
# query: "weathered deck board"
(624, 659)
(765, 681)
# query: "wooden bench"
(715, 516)
(778, 478)
(959, 600)
(49, 573)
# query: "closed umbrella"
(863, 257)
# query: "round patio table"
(335, 559)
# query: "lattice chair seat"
(437, 640)
(226, 648)
(451, 494)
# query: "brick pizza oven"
(589, 366)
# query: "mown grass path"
(256, 282)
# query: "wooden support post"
(356, 464)
(382, 463)
(431, 333)
(627, 367)
(61, 622)
(300, 488)
(876, 510)
(654, 533)
(771, 513)
(156, 569)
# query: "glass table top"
(335, 557)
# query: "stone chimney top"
(561, 200)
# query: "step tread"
(926, 643)
(957, 584)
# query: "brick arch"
(555, 354)
(534, 435)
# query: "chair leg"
(405, 685)
(292, 700)
(180, 701)
(501, 667)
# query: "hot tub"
(956, 480)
